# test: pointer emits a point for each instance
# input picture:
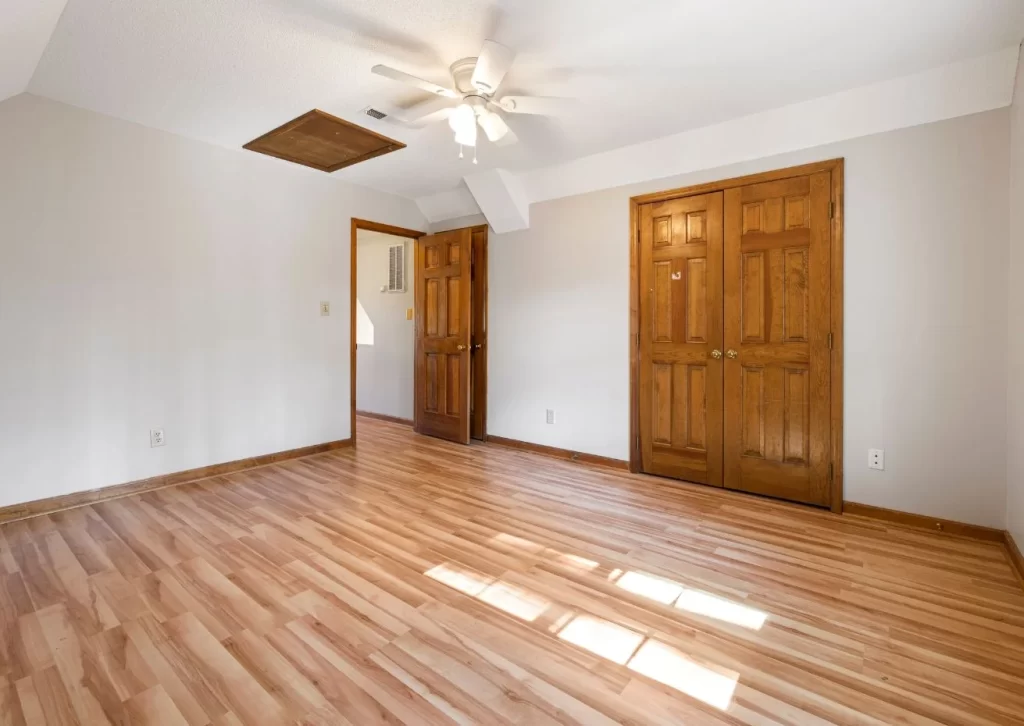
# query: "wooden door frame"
(364, 224)
(478, 357)
(836, 167)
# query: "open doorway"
(389, 320)
(382, 321)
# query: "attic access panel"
(321, 141)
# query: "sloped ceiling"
(25, 30)
(225, 71)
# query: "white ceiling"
(25, 29)
(226, 71)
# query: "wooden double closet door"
(735, 335)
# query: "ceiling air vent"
(374, 113)
(396, 268)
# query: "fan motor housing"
(462, 75)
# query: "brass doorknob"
(716, 354)
(731, 353)
(460, 346)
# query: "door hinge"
(831, 210)
(831, 473)
(830, 341)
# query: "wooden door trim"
(478, 357)
(836, 167)
(365, 224)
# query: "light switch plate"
(408, 314)
(325, 308)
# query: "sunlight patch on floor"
(712, 606)
(602, 638)
(651, 587)
(527, 545)
(515, 601)
(460, 578)
(619, 644)
(509, 598)
(672, 667)
(670, 592)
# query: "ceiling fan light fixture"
(466, 137)
(463, 123)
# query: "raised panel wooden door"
(443, 311)
(777, 323)
(681, 326)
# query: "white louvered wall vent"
(396, 268)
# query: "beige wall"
(1015, 358)
(149, 281)
(926, 316)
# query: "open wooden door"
(443, 327)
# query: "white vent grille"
(396, 268)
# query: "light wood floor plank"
(413, 581)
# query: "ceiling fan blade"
(403, 77)
(491, 66)
(535, 105)
(431, 110)
(494, 126)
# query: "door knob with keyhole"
(716, 354)
(731, 353)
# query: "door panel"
(777, 322)
(681, 323)
(443, 309)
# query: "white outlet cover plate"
(876, 459)
(156, 438)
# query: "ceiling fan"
(472, 102)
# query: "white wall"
(149, 281)
(384, 370)
(926, 318)
(1015, 358)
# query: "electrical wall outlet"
(156, 438)
(325, 308)
(876, 458)
(550, 415)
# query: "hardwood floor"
(415, 581)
